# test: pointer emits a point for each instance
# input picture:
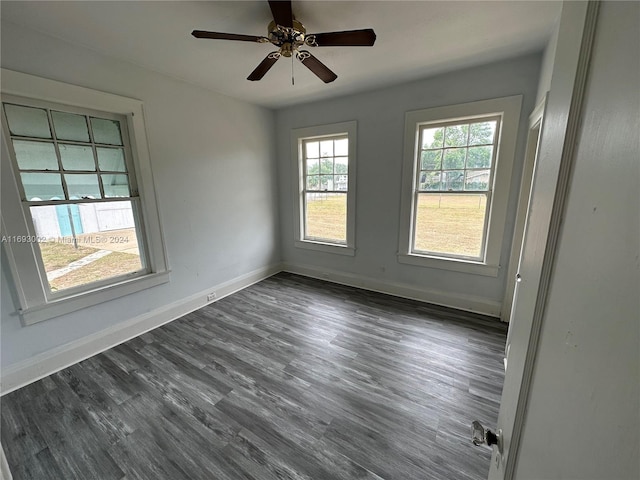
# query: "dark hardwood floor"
(292, 378)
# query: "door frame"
(546, 209)
(526, 183)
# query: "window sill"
(452, 264)
(62, 306)
(326, 247)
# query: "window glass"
(82, 186)
(115, 186)
(42, 186)
(27, 121)
(74, 254)
(450, 224)
(326, 187)
(35, 155)
(69, 126)
(77, 157)
(111, 159)
(106, 131)
(326, 216)
(453, 159)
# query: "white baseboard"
(44, 364)
(5, 473)
(469, 303)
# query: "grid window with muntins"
(457, 157)
(69, 156)
(326, 163)
(455, 165)
(325, 187)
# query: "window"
(457, 172)
(455, 169)
(325, 186)
(85, 234)
(76, 181)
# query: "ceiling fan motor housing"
(288, 39)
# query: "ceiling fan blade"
(349, 38)
(316, 66)
(228, 36)
(282, 13)
(264, 66)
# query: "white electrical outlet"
(211, 296)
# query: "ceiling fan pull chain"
(292, 81)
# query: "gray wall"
(583, 414)
(213, 164)
(380, 116)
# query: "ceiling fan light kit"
(288, 34)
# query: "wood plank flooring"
(291, 378)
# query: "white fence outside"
(94, 217)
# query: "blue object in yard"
(67, 214)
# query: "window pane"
(326, 148)
(326, 165)
(326, 182)
(42, 186)
(312, 149)
(111, 159)
(313, 166)
(115, 185)
(313, 182)
(35, 155)
(326, 217)
(452, 180)
(430, 181)
(456, 135)
(341, 147)
(77, 157)
(27, 121)
(341, 182)
(82, 186)
(87, 242)
(454, 158)
(482, 133)
(450, 224)
(106, 131)
(477, 179)
(479, 157)
(342, 165)
(431, 160)
(432, 137)
(69, 126)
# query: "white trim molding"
(469, 303)
(30, 370)
(5, 472)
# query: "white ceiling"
(415, 39)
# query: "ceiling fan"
(288, 34)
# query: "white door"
(530, 156)
(550, 180)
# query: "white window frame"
(35, 302)
(508, 108)
(298, 136)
